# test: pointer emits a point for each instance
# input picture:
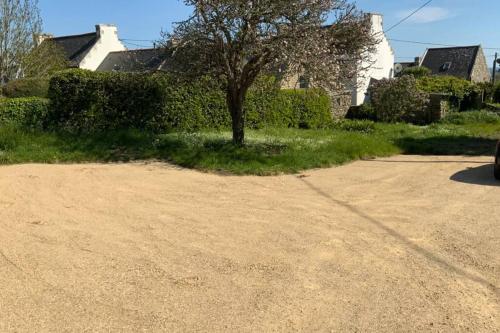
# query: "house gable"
(480, 71)
(462, 62)
(87, 51)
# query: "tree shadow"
(419, 250)
(482, 175)
(448, 145)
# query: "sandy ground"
(406, 244)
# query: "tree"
(237, 40)
(20, 23)
(44, 60)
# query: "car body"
(497, 162)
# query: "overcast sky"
(456, 22)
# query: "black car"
(497, 162)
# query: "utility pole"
(495, 68)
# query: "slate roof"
(454, 61)
(142, 60)
(76, 47)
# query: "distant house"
(88, 51)
(399, 67)
(143, 60)
(468, 62)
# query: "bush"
(399, 100)
(32, 87)
(362, 126)
(363, 112)
(28, 112)
(88, 101)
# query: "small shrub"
(486, 88)
(30, 87)
(29, 113)
(362, 126)
(399, 100)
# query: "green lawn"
(268, 151)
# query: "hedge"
(29, 87)
(90, 101)
(29, 113)
(464, 95)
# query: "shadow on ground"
(425, 253)
(448, 145)
(482, 175)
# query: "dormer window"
(445, 67)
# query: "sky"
(454, 22)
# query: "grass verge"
(268, 151)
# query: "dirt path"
(406, 244)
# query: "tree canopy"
(237, 40)
(20, 24)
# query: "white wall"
(383, 58)
(107, 41)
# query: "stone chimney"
(42, 37)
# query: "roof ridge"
(454, 47)
(135, 50)
(73, 36)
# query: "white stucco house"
(380, 64)
(88, 51)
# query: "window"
(445, 67)
(303, 82)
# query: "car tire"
(497, 171)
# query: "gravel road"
(403, 244)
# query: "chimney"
(43, 37)
(106, 30)
(418, 61)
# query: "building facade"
(379, 65)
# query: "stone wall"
(341, 102)
(480, 72)
(439, 106)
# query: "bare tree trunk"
(235, 100)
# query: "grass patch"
(268, 151)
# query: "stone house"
(466, 62)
